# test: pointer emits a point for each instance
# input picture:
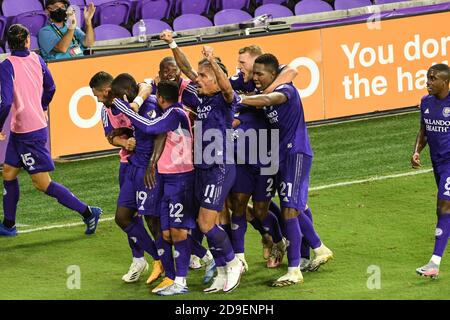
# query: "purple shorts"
(442, 176)
(293, 181)
(250, 181)
(33, 156)
(213, 184)
(122, 172)
(177, 208)
(136, 196)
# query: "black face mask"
(59, 15)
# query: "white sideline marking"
(328, 186)
(59, 226)
(376, 178)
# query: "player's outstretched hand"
(150, 176)
(2, 136)
(131, 144)
(166, 36)
(208, 52)
(415, 161)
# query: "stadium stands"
(114, 12)
(153, 9)
(153, 26)
(229, 16)
(350, 4)
(232, 4)
(2, 26)
(191, 21)
(195, 6)
(34, 45)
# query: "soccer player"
(134, 196)
(285, 112)
(119, 133)
(434, 131)
(27, 87)
(176, 176)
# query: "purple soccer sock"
(305, 249)
(182, 255)
(195, 247)
(197, 234)
(294, 236)
(442, 234)
(275, 210)
(165, 254)
(218, 239)
(238, 230)
(138, 231)
(227, 229)
(10, 200)
(136, 250)
(218, 256)
(309, 233)
(271, 224)
(65, 197)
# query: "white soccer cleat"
(233, 276)
(292, 277)
(194, 262)
(241, 257)
(135, 271)
(217, 285)
(322, 256)
(430, 270)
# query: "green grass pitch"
(385, 225)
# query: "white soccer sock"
(436, 259)
(221, 271)
(320, 248)
(181, 281)
(240, 256)
(293, 269)
(235, 262)
(139, 260)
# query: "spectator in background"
(61, 38)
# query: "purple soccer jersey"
(289, 118)
(238, 84)
(435, 117)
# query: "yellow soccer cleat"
(292, 277)
(157, 271)
(164, 284)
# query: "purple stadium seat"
(80, 3)
(231, 16)
(350, 4)
(195, 6)
(232, 4)
(153, 26)
(33, 20)
(312, 6)
(1, 50)
(276, 10)
(110, 31)
(113, 12)
(12, 8)
(97, 2)
(153, 9)
(191, 21)
(262, 2)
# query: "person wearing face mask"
(61, 38)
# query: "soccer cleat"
(233, 276)
(322, 257)
(217, 285)
(304, 264)
(92, 221)
(267, 246)
(164, 284)
(7, 232)
(276, 254)
(290, 278)
(241, 257)
(157, 271)
(173, 289)
(194, 262)
(210, 268)
(135, 271)
(430, 270)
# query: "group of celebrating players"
(187, 188)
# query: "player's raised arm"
(421, 142)
(221, 77)
(180, 57)
(263, 100)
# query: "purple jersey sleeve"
(49, 85)
(167, 122)
(7, 90)
(288, 91)
(107, 126)
(190, 96)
